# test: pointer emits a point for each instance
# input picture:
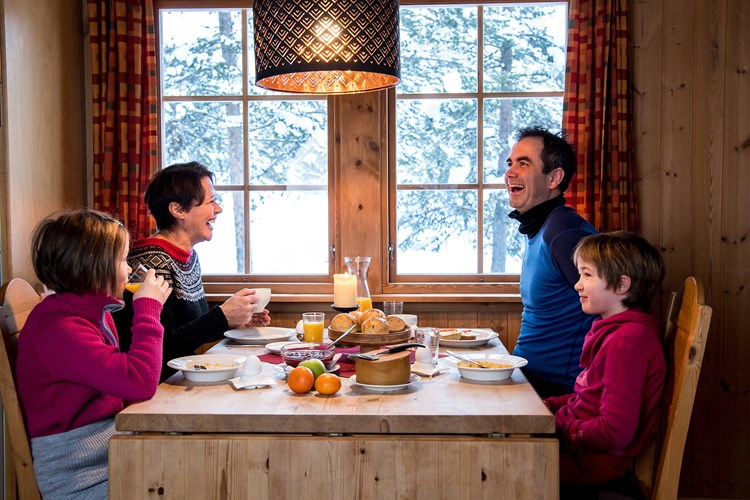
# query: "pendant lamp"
(326, 46)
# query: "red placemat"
(347, 366)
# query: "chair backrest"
(18, 298)
(686, 330)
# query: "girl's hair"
(622, 253)
(180, 183)
(78, 251)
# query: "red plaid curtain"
(123, 67)
(597, 114)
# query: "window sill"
(471, 298)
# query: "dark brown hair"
(180, 183)
(556, 152)
(623, 253)
(78, 250)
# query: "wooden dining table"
(440, 437)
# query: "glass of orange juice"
(136, 278)
(312, 326)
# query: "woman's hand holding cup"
(244, 308)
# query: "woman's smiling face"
(199, 220)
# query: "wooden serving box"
(368, 342)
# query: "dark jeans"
(544, 387)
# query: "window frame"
(342, 175)
(395, 279)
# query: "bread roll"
(396, 324)
(371, 313)
(357, 316)
(375, 326)
(342, 322)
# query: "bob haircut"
(621, 253)
(556, 152)
(77, 251)
(179, 183)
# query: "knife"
(373, 356)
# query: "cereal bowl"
(294, 354)
(208, 367)
(506, 364)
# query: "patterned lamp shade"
(326, 46)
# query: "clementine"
(327, 384)
(301, 379)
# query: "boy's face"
(595, 297)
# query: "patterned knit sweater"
(188, 322)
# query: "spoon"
(332, 364)
(350, 330)
(464, 358)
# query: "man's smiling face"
(527, 184)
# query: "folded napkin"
(255, 382)
(428, 369)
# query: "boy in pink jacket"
(613, 411)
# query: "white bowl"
(492, 374)
(216, 367)
(264, 297)
(409, 319)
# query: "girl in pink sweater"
(613, 410)
(72, 377)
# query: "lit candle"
(344, 290)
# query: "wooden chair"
(18, 298)
(686, 330)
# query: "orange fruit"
(328, 383)
(301, 379)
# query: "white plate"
(483, 336)
(261, 335)
(488, 373)
(218, 366)
(275, 347)
(386, 388)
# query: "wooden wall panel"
(44, 121)
(694, 201)
(733, 350)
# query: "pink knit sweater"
(614, 407)
(70, 369)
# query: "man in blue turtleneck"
(553, 324)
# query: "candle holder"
(343, 309)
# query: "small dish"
(482, 337)
(427, 369)
(284, 369)
(386, 388)
(261, 335)
(208, 367)
(275, 347)
(296, 352)
(488, 374)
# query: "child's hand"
(154, 287)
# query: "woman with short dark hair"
(182, 200)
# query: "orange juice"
(313, 332)
(132, 287)
(364, 303)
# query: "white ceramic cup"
(264, 297)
